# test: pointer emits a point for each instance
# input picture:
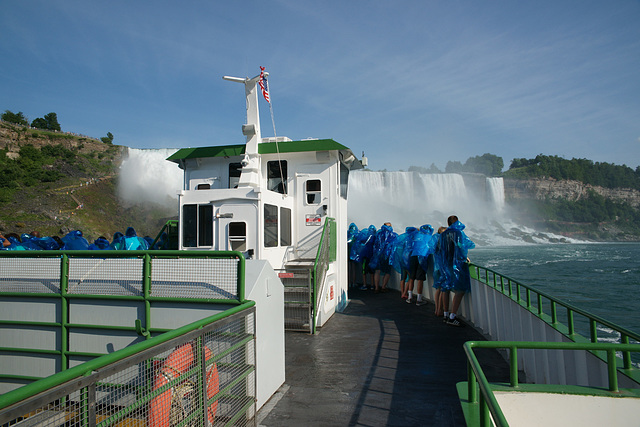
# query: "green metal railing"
(551, 311)
(326, 254)
(212, 383)
(486, 402)
(143, 279)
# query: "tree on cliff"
(17, 118)
(487, 164)
(107, 139)
(49, 122)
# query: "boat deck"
(381, 362)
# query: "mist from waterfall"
(147, 177)
(403, 198)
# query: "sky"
(409, 83)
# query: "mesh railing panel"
(206, 377)
(110, 276)
(33, 275)
(194, 278)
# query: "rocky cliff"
(549, 188)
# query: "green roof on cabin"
(263, 148)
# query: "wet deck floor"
(381, 362)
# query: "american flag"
(264, 85)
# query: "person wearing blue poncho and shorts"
(451, 262)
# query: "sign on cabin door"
(237, 227)
(312, 199)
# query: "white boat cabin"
(268, 198)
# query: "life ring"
(179, 362)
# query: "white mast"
(250, 176)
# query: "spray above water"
(146, 177)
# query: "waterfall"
(495, 192)
(412, 199)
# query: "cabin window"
(314, 192)
(197, 225)
(270, 226)
(285, 226)
(344, 180)
(235, 169)
(203, 187)
(205, 225)
(277, 176)
(189, 225)
(238, 236)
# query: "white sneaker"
(421, 302)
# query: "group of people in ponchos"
(416, 254)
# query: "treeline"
(595, 173)
(48, 122)
(487, 164)
(601, 174)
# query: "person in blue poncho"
(361, 250)
(438, 295)
(352, 232)
(419, 252)
(75, 241)
(400, 259)
(100, 244)
(451, 262)
(382, 248)
(132, 242)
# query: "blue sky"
(408, 82)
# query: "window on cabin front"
(197, 226)
(313, 191)
(270, 226)
(238, 236)
(277, 176)
(285, 226)
(203, 187)
(344, 180)
(235, 169)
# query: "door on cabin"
(312, 200)
(237, 228)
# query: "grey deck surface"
(381, 362)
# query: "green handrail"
(143, 329)
(487, 399)
(323, 248)
(482, 274)
(79, 371)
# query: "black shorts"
(415, 271)
(384, 267)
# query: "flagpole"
(264, 85)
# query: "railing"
(488, 406)
(326, 254)
(199, 374)
(55, 306)
(559, 315)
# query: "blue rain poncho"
(450, 259)
(352, 232)
(402, 250)
(362, 247)
(99, 244)
(74, 241)
(15, 244)
(134, 243)
(421, 240)
(117, 244)
(382, 242)
(43, 243)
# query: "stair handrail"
(320, 267)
